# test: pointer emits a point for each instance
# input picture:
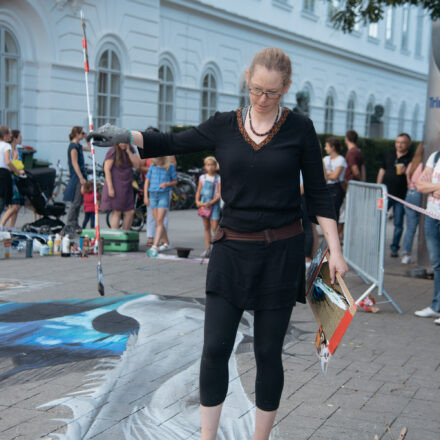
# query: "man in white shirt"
(429, 183)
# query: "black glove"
(108, 136)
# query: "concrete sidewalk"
(143, 352)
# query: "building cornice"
(199, 7)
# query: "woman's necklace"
(267, 132)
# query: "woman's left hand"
(164, 185)
(337, 264)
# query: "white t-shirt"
(433, 204)
(331, 165)
(4, 146)
(207, 178)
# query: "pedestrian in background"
(413, 173)
(355, 170)
(17, 198)
(160, 178)
(429, 183)
(334, 169)
(89, 204)
(208, 196)
(6, 168)
(118, 193)
(78, 175)
(392, 174)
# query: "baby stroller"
(50, 211)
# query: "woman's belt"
(268, 235)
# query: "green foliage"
(372, 149)
(372, 11)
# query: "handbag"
(206, 212)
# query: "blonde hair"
(273, 58)
(213, 159)
(162, 162)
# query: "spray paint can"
(29, 247)
(65, 246)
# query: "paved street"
(125, 366)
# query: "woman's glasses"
(270, 95)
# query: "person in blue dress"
(208, 197)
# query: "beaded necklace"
(267, 132)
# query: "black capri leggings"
(221, 323)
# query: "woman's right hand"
(111, 192)
(109, 135)
(146, 201)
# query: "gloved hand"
(108, 135)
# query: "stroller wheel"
(26, 228)
(45, 230)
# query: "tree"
(372, 11)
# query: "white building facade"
(168, 62)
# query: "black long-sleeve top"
(260, 183)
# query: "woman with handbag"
(257, 260)
(208, 200)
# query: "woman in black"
(257, 261)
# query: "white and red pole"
(92, 147)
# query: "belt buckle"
(268, 236)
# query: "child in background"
(160, 178)
(208, 195)
(89, 204)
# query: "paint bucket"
(44, 250)
(29, 247)
(183, 252)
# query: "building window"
(401, 122)
(244, 95)
(333, 7)
(109, 88)
(373, 30)
(387, 119)
(415, 123)
(349, 123)
(419, 32)
(405, 27)
(389, 25)
(9, 61)
(309, 5)
(368, 114)
(209, 95)
(329, 115)
(166, 98)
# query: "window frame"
(207, 111)
(163, 104)
(110, 72)
(350, 117)
(6, 111)
(368, 114)
(404, 43)
(329, 113)
(401, 118)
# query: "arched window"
(351, 104)
(166, 98)
(368, 113)
(244, 95)
(9, 61)
(387, 119)
(401, 122)
(109, 88)
(415, 123)
(329, 115)
(209, 95)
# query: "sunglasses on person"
(270, 95)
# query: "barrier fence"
(365, 235)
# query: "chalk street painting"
(145, 385)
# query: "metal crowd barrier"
(365, 234)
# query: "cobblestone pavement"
(386, 371)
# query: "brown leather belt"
(268, 235)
